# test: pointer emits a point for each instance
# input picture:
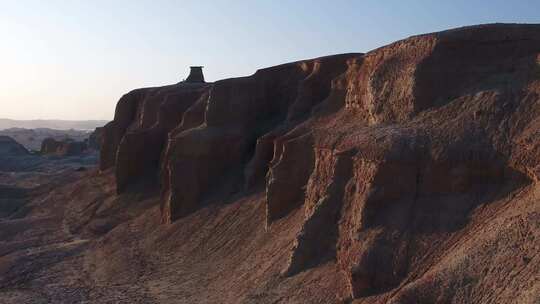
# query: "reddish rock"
(238, 112)
(133, 142)
(285, 189)
(323, 203)
(140, 150)
(124, 116)
(395, 157)
(51, 146)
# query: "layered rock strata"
(388, 154)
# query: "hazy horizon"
(72, 60)
(54, 124)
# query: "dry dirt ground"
(72, 240)
(76, 242)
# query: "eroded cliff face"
(133, 142)
(388, 154)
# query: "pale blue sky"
(74, 59)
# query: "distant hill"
(32, 138)
(9, 147)
(51, 124)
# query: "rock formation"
(388, 154)
(133, 142)
(9, 147)
(31, 139)
(195, 74)
(67, 147)
(95, 139)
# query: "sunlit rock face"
(388, 154)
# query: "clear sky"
(74, 59)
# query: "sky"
(74, 59)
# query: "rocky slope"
(409, 174)
(9, 147)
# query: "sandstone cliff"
(413, 164)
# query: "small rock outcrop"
(67, 147)
(195, 75)
(387, 154)
(95, 139)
